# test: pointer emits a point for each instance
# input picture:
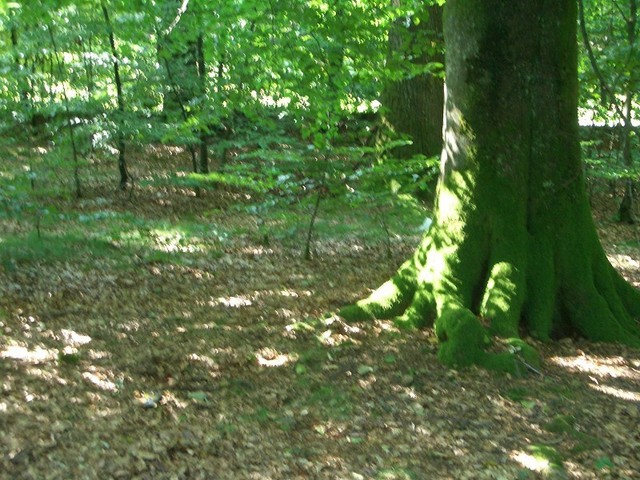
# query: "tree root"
(589, 298)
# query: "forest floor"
(176, 338)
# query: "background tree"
(415, 58)
(513, 244)
(610, 80)
(122, 159)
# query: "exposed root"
(389, 300)
(590, 299)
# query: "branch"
(604, 87)
(181, 10)
(619, 8)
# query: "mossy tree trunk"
(513, 246)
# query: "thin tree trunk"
(87, 50)
(67, 111)
(183, 113)
(121, 144)
(202, 77)
(625, 212)
(314, 215)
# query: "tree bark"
(421, 95)
(513, 245)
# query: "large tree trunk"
(513, 245)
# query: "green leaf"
(199, 396)
(603, 462)
(69, 358)
(390, 358)
(528, 404)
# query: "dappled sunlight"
(602, 367)
(206, 360)
(617, 392)
(599, 369)
(46, 375)
(175, 328)
(269, 357)
(293, 293)
(530, 462)
(100, 380)
(231, 302)
(622, 261)
(174, 241)
(72, 338)
(257, 250)
(334, 430)
(172, 352)
(627, 265)
(130, 325)
(36, 355)
(246, 300)
(98, 354)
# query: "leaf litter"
(228, 367)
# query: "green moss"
(553, 459)
(565, 425)
(517, 394)
(503, 297)
(520, 359)
(539, 306)
(462, 338)
(585, 442)
(591, 315)
(356, 313)
(512, 240)
(629, 295)
(421, 312)
(389, 300)
(561, 424)
(524, 352)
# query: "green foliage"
(47, 249)
(602, 154)
(307, 64)
(607, 25)
(560, 424)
